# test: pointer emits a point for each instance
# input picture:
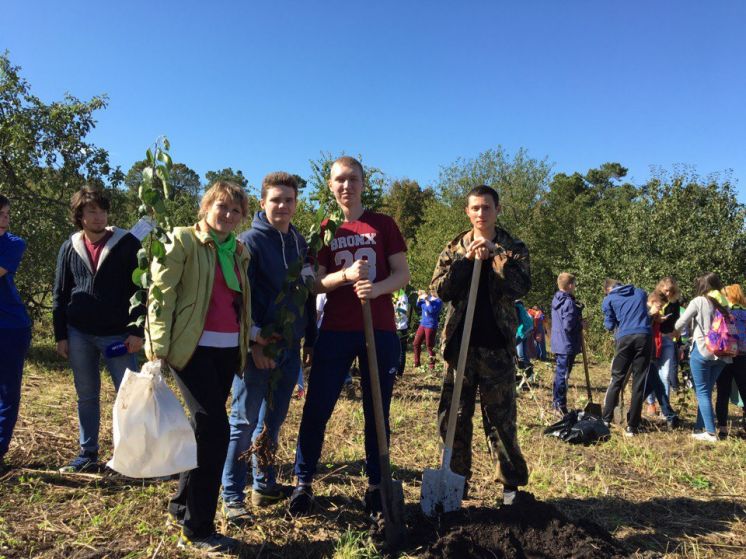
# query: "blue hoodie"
(430, 307)
(626, 310)
(566, 325)
(272, 252)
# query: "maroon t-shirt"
(373, 237)
(94, 249)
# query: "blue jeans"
(667, 364)
(14, 344)
(654, 388)
(704, 374)
(561, 375)
(521, 351)
(333, 355)
(250, 412)
(85, 352)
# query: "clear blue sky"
(412, 86)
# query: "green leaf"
(328, 236)
(165, 158)
(156, 293)
(138, 298)
(320, 215)
(166, 143)
(157, 249)
(150, 196)
(137, 276)
(149, 157)
(294, 270)
(139, 322)
(142, 259)
(147, 174)
(280, 297)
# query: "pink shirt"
(221, 325)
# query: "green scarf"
(226, 249)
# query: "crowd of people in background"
(221, 292)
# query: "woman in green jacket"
(202, 332)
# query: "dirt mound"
(529, 530)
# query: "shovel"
(590, 407)
(443, 490)
(392, 494)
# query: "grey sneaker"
(214, 543)
(235, 512)
(84, 462)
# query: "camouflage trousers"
(492, 372)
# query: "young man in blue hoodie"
(567, 324)
(275, 246)
(626, 313)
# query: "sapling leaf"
(138, 298)
(147, 175)
(328, 236)
(164, 157)
(137, 276)
(166, 143)
(156, 293)
(149, 156)
(142, 259)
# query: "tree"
(405, 201)
(44, 158)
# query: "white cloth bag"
(152, 435)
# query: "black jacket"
(97, 303)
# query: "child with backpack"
(705, 364)
(736, 371)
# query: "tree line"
(594, 223)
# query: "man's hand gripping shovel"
(392, 494)
(443, 490)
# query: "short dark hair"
(87, 195)
(483, 190)
(279, 178)
(4, 201)
(349, 161)
(710, 281)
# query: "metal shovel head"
(442, 491)
(395, 528)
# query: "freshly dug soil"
(529, 530)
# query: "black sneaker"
(373, 501)
(235, 513)
(214, 543)
(267, 497)
(301, 501)
(630, 432)
(84, 462)
(673, 423)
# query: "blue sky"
(412, 86)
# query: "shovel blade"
(395, 527)
(442, 491)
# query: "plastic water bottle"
(116, 349)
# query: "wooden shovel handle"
(461, 365)
(585, 365)
(375, 385)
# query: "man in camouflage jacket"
(490, 365)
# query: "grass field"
(661, 494)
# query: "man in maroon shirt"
(366, 260)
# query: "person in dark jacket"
(626, 313)
(566, 332)
(91, 311)
(278, 252)
(15, 331)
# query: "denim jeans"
(704, 375)
(85, 352)
(14, 344)
(561, 376)
(654, 388)
(250, 412)
(667, 364)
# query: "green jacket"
(186, 278)
(509, 279)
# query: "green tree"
(44, 158)
(405, 201)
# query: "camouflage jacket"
(509, 279)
